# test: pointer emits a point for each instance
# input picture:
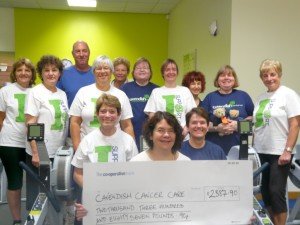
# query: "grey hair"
(103, 59)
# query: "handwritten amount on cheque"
(157, 206)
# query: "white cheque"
(168, 193)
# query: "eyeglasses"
(142, 68)
(162, 131)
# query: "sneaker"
(17, 222)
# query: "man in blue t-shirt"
(74, 78)
(197, 148)
(79, 75)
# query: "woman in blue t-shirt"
(225, 107)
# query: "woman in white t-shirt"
(276, 126)
(46, 104)
(172, 98)
(82, 111)
(13, 131)
(163, 135)
(106, 144)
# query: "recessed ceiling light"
(82, 3)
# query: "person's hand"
(233, 125)
(35, 160)
(80, 211)
(226, 129)
(252, 220)
(285, 158)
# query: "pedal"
(37, 213)
(262, 217)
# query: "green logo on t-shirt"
(59, 117)
(21, 106)
(261, 113)
(95, 121)
(103, 152)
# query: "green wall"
(39, 32)
(189, 30)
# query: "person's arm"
(127, 127)
(78, 176)
(75, 123)
(291, 140)
(35, 154)
(2, 117)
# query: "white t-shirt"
(96, 147)
(12, 102)
(177, 101)
(144, 156)
(271, 113)
(50, 108)
(84, 106)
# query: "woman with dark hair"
(138, 92)
(195, 81)
(225, 107)
(46, 104)
(163, 135)
(13, 131)
(171, 97)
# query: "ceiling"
(127, 6)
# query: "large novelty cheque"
(165, 193)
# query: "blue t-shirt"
(238, 106)
(72, 80)
(138, 97)
(209, 151)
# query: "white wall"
(7, 30)
(263, 29)
(189, 30)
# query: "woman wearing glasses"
(163, 135)
(138, 92)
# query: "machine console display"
(245, 127)
(35, 131)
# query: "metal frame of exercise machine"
(243, 152)
(54, 180)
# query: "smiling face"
(170, 73)
(271, 79)
(142, 72)
(195, 87)
(50, 75)
(163, 137)
(23, 75)
(81, 54)
(121, 73)
(102, 74)
(226, 81)
(108, 116)
(197, 127)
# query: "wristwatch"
(288, 149)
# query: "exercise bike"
(244, 152)
(53, 179)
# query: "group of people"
(123, 120)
